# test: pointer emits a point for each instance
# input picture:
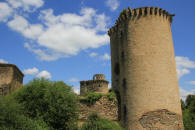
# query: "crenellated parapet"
(137, 13)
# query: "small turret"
(99, 84)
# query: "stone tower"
(144, 70)
(11, 78)
(99, 84)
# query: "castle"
(11, 78)
(99, 84)
(144, 71)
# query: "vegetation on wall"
(91, 97)
(111, 96)
(123, 12)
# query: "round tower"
(99, 84)
(144, 71)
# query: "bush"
(96, 123)
(92, 97)
(189, 123)
(12, 117)
(53, 102)
(111, 96)
(189, 113)
(123, 12)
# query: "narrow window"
(124, 84)
(125, 114)
(117, 68)
(122, 55)
(119, 104)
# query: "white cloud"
(43, 54)
(6, 11)
(182, 71)
(106, 56)
(93, 54)
(76, 90)
(109, 86)
(27, 5)
(112, 4)
(183, 65)
(191, 82)
(3, 61)
(184, 62)
(63, 35)
(31, 71)
(44, 74)
(20, 24)
(185, 93)
(73, 80)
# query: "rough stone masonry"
(11, 78)
(144, 70)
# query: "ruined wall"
(104, 107)
(17, 79)
(11, 78)
(5, 75)
(142, 57)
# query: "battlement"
(99, 84)
(137, 13)
(99, 77)
(93, 81)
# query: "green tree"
(183, 106)
(12, 117)
(53, 102)
(189, 113)
(190, 100)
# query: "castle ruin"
(144, 74)
(99, 84)
(11, 78)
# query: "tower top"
(132, 14)
(99, 77)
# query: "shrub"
(123, 12)
(97, 123)
(189, 123)
(53, 102)
(189, 113)
(12, 117)
(111, 96)
(92, 97)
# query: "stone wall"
(104, 107)
(11, 78)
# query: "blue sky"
(67, 39)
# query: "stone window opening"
(125, 113)
(119, 104)
(117, 68)
(124, 84)
(122, 55)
